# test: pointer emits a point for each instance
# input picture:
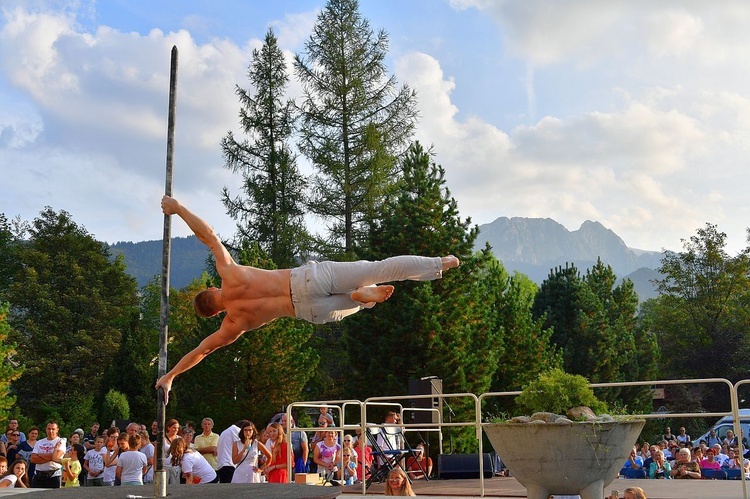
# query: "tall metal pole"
(160, 475)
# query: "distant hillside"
(535, 246)
(143, 259)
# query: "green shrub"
(557, 391)
(116, 406)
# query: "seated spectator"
(350, 466)
(710, 462)
(634, 461)
(647, 462)
(364, 461)
(736, 462)
(659, 468)
(684, 467)
(645, 451)
(720, 456)
(416, 466)
(697, 455)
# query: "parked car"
(727, 423)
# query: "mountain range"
(532, 246)
(535, 246)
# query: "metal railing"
(479, 424)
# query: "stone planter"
(564, 459)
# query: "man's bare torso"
(253, 297)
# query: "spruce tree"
(272, 210)
(354, 122)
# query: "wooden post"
(160, 475)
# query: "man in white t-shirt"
(47, 455)
(224, 447)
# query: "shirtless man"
(315, 292)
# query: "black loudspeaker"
(425, 386)
(464, 466)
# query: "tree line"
(79, 340)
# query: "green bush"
(116, 406)
(557, 391)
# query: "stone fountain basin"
(564, 459)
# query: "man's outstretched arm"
(221, 338)
(200, 228)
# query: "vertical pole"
(160, 475)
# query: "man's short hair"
(203, 303)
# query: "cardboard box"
(306, 478)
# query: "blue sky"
(632, 113)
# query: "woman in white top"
(245, 455)
(132, 465)
(195, 468)
(16, 476)
(148, 450)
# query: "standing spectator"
(713, 438)
(47, 456)
(682, 437)
(109, 477)
(26, 448)
(72, 466)
(89, 440)
(206, 443)
(730, 440)
(327, 415)
(133, 428)
(16, 476)
(172, 428)
(327, 454)
(195, 468)
(300, 447)
(93, 463)
(132, 464)
(668, 435)
(12, 447)
(224, 450)
(13, 425)
(246, 454)
(147, 448)
(187, 436)
(154, 434)
(276, 470)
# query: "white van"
(727, 423)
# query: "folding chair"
(388, 458)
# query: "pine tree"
(272, 211)
(354, 122)
(594, 325)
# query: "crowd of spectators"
(242, 453)
(675, 457)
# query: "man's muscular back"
(253, 297)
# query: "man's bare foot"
(450, 262)
(372, 294)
